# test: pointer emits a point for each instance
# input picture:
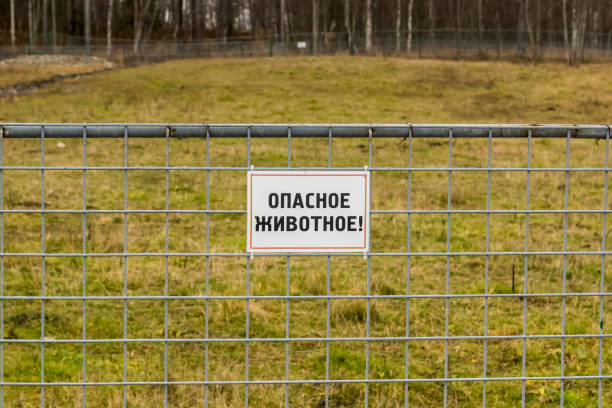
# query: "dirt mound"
(57, 59)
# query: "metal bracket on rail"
(251, 255)
(365, 168)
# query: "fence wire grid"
(124, 276)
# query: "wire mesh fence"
(424, 43)
(124, 278)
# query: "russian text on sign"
(308, 211)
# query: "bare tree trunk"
(87, 13)
(156, 7)
(479, 27)
(596, 25)
(205, 12)
(69, 16)
(498, 32)
(197, 19)
(409, 39)
(30, 24)
(368, 26)
(574, 41)
(584, 11)
(141, 12)
(538, 31)
(253, 17)
(109, 29)
(186, 20)
(432, 24)
(354, 14)
(225, 19)
(13, 40)
(324, 19)
(315, 26)
(579, 14)
(534, 34)
(137, 28)
(458, 28)
(398, 23)
(347, 25)
(284, 23)
(45, 21)
(196, 12)
(274, 22)
(53, 25)
(193, 19)
(532, 42)
(177, 14)
(565, 33)
(521, 29)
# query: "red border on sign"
(365, 218)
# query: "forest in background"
(529, 25)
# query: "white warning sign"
(308, 211)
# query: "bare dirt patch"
(27, 73)
(57, 60)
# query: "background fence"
(124, 278)
(439, 43)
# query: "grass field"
(323, 90)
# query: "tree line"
(528, 22)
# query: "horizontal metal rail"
(311, 297)
(283, 254)
(306, 339)
(400, 169)
(186, 211)
(16, 130)
(298, 382)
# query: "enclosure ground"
(324, 90)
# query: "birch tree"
(579, 17)
(12, 23)
(53, 24)
(533, 29)
(368, 26)
(87, 18)
(315, 26)
(347, 24)
(284, 23)
(526, 25)
(409, 39)
(565, 32)
(177, 14)
(398, 23)
(109, 29)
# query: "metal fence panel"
(400, 161)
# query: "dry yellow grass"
(323, 90)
